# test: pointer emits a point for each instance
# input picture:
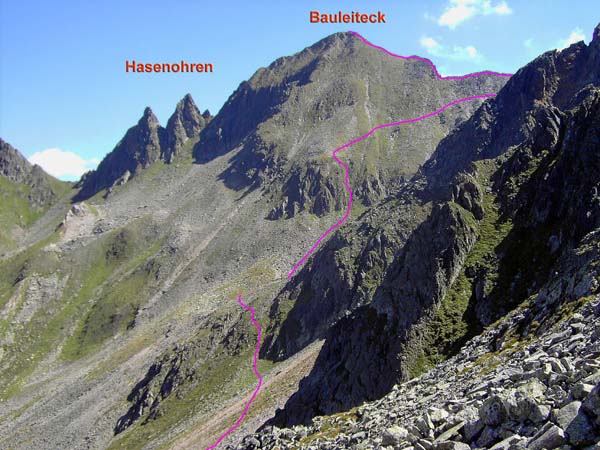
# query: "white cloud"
(456, 53)
(61, 164)
(458, 11)
(528, 43)
(502, 9)
(575, 36)
(429, 43)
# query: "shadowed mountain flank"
(394, 293)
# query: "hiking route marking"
(350, 200)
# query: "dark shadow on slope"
(364, 354)
(245, 110)
(247, 166)
(140, 399)
(356, 364)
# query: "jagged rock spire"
(145, 144)
(140, 147)
(13, 164)
(185, 123)
(17, 169)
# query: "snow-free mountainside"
(457, 307)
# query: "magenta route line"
(349, 206)
(425, 60)
(256, 372)
(386, 125)
(347, 172)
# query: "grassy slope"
(450, 324)
(108, 280)
(16, 210)
(512, 259)
(85, 306)
(224, 373)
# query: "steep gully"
(350, 201)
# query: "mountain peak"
(17, 169)
(185, 123)
(140, 147)
(13, 165)
(187, 103)
(149, 118)
(146, 143)
(596, 34)
(555, 80)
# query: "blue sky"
(63, 85)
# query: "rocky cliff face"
(554, 81)
(186, 123)
(26, 194)
(504, 209)
(145, 144)
(13, 165)
(15, 168)
(120, 329)
(282, 125)
(531, 381)
(179, 369)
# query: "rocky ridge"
(120, 329)
(281, 125)
(500, 218)
(498, 392)
(178, 369)
(144, 145)
(15, 168)
(185, 123)
(27, 193)
(530, 380)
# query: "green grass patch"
(116, 306)
(219, 380)
(133, 346)
(357, 209)
(451, 326)
(89, 270)
(16, 209)
(331, 427)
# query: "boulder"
(493, 412)
(393, 435)
(580, 431)
(553, 437)
(452, 445)
(591, 405)
(471, 430)
(539, 413)
(438, 415)
(357, 437)
(508, 444)
(425, 425)
(489, 436)
(581, 390)
(565, 415)
(450, 432)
